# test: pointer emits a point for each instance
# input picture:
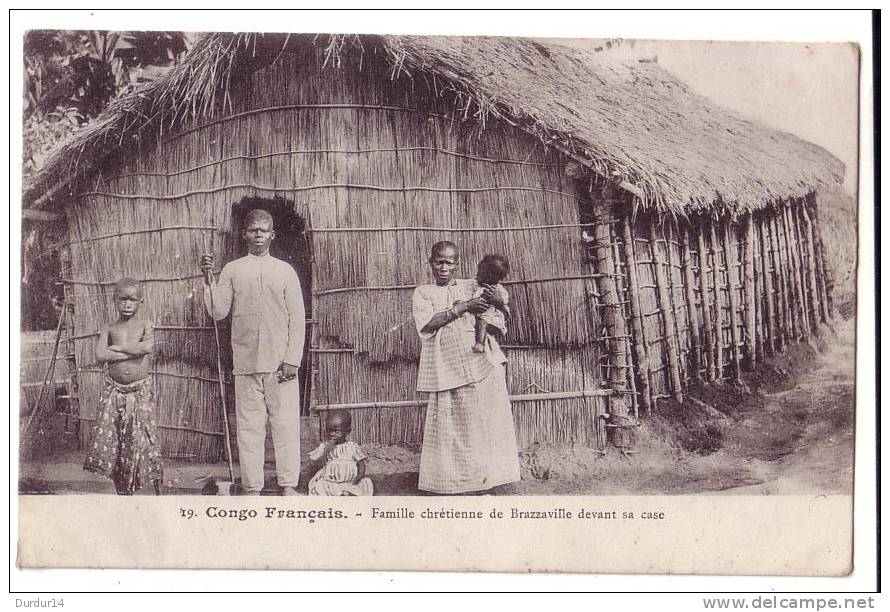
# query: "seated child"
(491, 271)
(343, 472)
(125, 444)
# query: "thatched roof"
(630, 122)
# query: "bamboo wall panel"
(650, 312)
(678, 298)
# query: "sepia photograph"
(345, 265)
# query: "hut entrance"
(289, 245)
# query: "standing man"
(268, 331)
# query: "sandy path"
(821, 457)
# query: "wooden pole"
(706, 305)
(822, 274)
(799, 306)
(767, 268)
(673, 283)
(624, 298)
(689, 277)
(636, 319)
(800, 253)
(718, 301)
(736, 352)
(750, 297)
(667, 316)
(811, 264)
(612, 314)
(48, 377)
(788, 269)
(759, 289)
(827, 277)
(781, 279)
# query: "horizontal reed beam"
(266, 109)
(506, 282)
(522, 397)
(327, 230)
(520, 162)
(142, 231)
(38, 383)
(166, 328)
(293, 189)
(159, 373)
(72, 281)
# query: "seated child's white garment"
(339, 475)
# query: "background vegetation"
(69, 77)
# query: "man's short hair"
(258, 214)
(125, 283)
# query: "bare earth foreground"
(788, 430)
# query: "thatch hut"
(655, 238)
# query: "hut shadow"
(393, 483)
(396, 483)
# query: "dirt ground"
(787, 430)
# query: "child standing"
(343, 472)
(125, 444)
(489, 273)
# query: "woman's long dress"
(469, 440)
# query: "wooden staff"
(667, 316)
(636, 319)
(208, 278)
(706, 305)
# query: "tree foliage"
(69, 77)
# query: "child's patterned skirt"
(125, 443)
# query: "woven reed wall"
(379, 171)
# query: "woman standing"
(469, 442)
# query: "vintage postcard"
(437, 302)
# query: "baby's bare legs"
(481, 332)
